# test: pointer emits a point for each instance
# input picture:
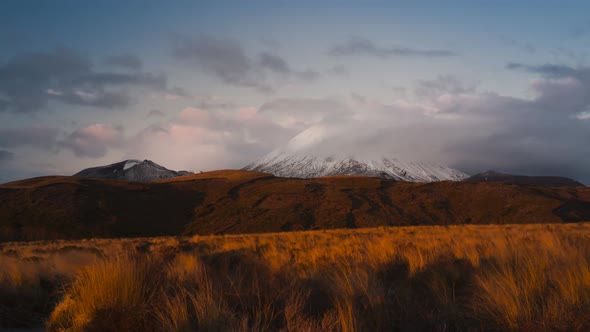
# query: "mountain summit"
(305, 156)
(131, 170)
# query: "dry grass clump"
(547, 287)
(29, 285)
(459, 278)
(114, 292)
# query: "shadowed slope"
(68, 207)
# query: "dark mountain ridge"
(547, 181)
(131, 170)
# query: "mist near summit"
(469, 131)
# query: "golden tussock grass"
(435, 278)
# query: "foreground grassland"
(430, 278)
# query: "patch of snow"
(130, 163)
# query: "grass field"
(428, 278)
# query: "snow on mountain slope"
(302, 158)
(131, 170)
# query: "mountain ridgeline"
(303, 166)
(547, 181)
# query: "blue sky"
(206, 85)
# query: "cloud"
(191, 115)
(270, 42)
(199, 139)
(213, 102)
(562, 89)
(308, 75)
(105, 99)
(194, 138)
(338, 70)
(156, 113)
(471, 132)
(447, 122)
(551, 70)
(35, 136)
(93, 141)
(442, 84)
(273, 63)
(6, 156)
(523, 46)
(363, 46)
(126, 60)
(176, 93)
(226, 59)
(301, 113)
(458, 126)
(28, 81)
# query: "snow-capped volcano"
(305, 156)
(131, 170)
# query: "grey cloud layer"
(454, 124)
(211, 102)
(448, 121)
(227, 60)
(126, 60)
(29, 81)
(442, 84)
(90, 141)
(39, 137)
(93, 141)
(451, 123)
(363, 46)
(6, 155)
(565, 89)
(552, 70)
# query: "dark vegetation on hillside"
(226, 202)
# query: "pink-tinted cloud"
(94, 140)
(193, 115)
(247, 113)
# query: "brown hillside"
(245, 202)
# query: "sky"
(204, 85)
